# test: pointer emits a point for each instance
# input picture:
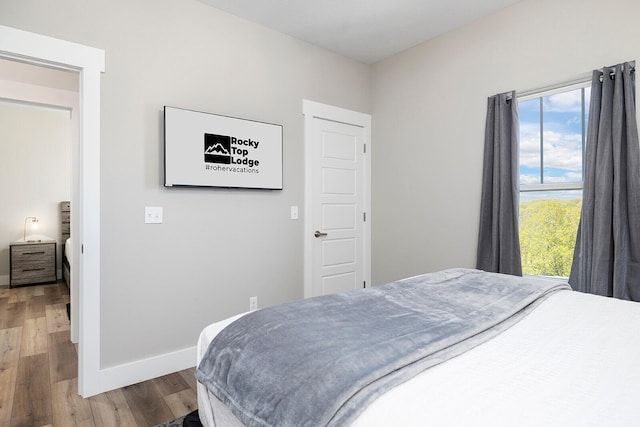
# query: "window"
(553, 128)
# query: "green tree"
(547, 235)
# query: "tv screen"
(210, 150)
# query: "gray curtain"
(498, 239)
(607, 255)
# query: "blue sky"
(562, 138)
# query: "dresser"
(32, 262)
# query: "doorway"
(85, 214)
(337, 199)
(42, 109)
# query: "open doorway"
(39, 107)
(89, 63)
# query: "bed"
(67, 255)
(65, 239)
(568, 359)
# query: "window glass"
(562, 137)
(552, 140)
(530, 161)
(548, 227)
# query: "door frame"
(90, 63)
(312, 110)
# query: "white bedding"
(68, 250)
(561, 365)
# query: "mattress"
(572, 361)
(68, 250)
(66, 262)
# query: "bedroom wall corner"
(429, 104)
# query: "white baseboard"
(146, 369)
(141, 370)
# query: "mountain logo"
(217, 148)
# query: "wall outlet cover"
(152, 215)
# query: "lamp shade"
(30, 224)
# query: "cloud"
(565, 177)
(574, 120)
(529, 179)
(562, 137)
(563, 102)
(529, 145)
(561, 150)
(532, 179)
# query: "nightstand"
(32, 261)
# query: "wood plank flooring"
(39, 372)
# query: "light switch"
(294, 212)
(153, 215)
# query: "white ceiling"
(365, 30)
(38, 75)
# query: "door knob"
(319, 234)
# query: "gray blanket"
(321, 361)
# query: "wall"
(35, 172)
(162, 283)
(429, 107)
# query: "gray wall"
(161, 284)
(429, 107)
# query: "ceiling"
(38, 75)
(365, 30)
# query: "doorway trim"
(90, 63)
(311, 110)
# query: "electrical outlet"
(253, 303)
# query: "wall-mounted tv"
(210, 150)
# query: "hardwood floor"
(39, 369)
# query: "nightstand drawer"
(33, 263)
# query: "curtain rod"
(581, 79)
(612, 73)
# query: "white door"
(337, 229)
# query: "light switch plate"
(152, 215)
(294, 212)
